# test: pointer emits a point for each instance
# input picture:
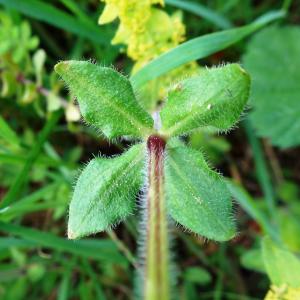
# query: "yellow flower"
(283, 292)
(148, 32)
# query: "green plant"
(177, 180)
(274, 97)
(23, 74)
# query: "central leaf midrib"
(133, 121)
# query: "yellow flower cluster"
(283, 292)
(148, 32)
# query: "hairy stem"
(156, 280)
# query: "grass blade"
(23, 177)
(66, 282)
(8, 242)
(47, 13)
(7, 133)
(198, 48)
(41, 161)
(93, 276)
(30, 203)
(96, 249)
(262, 171)
(203, 12)
(249, 205)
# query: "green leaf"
(101, 249)
(251, 206)
(202, 11)
(282, 266)
(30, 93)
(104, 193)
(23, 177)
(252, 260)
(8, 84)
(197, 275)
(199, 47)
(216, 97)
(261, 168)
(47, 13)
(272, 60)
(38, 60)
(7, 133)
(197, 197)
(106, 99)
(289, 229)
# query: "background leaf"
(106, 99)
(274, 67)
(96, 249)
(104, 193)
(7, 134)
(197, 197)
(252, 208)
(252, 260)
(282, 266)
(202, 11)
(216, 97)
(47, 13)
(197, 275)
(22, 177)
(198, 48)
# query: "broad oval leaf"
(197, 197)
(106, 99)
(104, 193)
(216, 97)
(274, 67)
(283, 267)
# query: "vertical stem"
(156, 280)
(262, 170)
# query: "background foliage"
(43, 144)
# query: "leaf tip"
(72, 235)
(61, 67)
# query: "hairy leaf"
(106, 99)
(274, 67)
(197, 197)
(104, 193)
(282, 266)
(216, 97)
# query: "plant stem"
(122, 247)
(262, 170)
(286, 4)
(156, 273)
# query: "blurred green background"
(44, 145)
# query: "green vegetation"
(120, 131)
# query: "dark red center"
(156, 143)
